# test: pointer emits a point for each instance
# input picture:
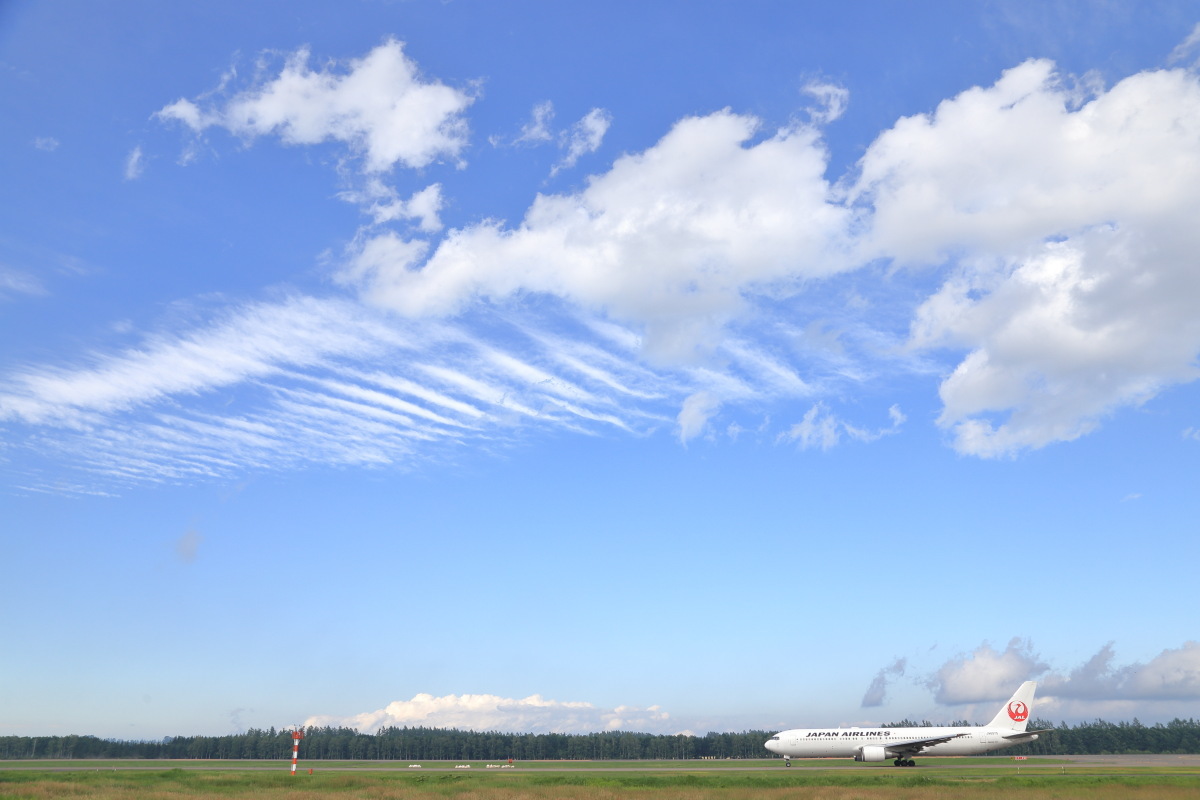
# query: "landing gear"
(787, 762)
(904, 762)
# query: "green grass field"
(556, 766)
(740, 780)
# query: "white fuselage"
(848, 742)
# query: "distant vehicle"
(1006, 729)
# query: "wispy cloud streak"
(306, 381)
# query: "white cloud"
(577, 141)
(1185, 48)
(425, 206)
(1174, 674)
(985, 674)
(537, 130)
(47, 144)
(670, 240)
(1069, 219)
(134, 164)
(317, 381)
(378, 105)
(305, 380)
(1059, 218)
(820, 428)
(384, 204)
(487, 712)
(876, 693)
(15, 281)
(1162, 688)
(250, 343)
(865, 435)
(831, 98)
(693, 417)
(583, 137)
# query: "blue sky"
(532, 366)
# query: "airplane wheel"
(896, 763)
(910, 763)
(787, 763)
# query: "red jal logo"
(1018, 711)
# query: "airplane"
(1006, 729)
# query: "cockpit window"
(775, 738)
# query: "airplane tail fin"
(1016, 712)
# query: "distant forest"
(426, 744)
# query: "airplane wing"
(910, 749)
(1016, 737)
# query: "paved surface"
(1190, 760)
(799, 765)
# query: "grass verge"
(648, 785)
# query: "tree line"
(429, 744)
(1105, 738)
(399, 744)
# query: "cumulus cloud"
(46, 144)
(378, 105)
(1066, 216)
(1054, 215)
(1174, 674)
(985, 674)
(425, 206)
(669, 239)
(487, 712)
(1165, 686)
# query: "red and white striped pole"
(297, 735)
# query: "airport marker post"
(297, 735)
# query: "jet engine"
(871, 752)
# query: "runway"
(1075, 764)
